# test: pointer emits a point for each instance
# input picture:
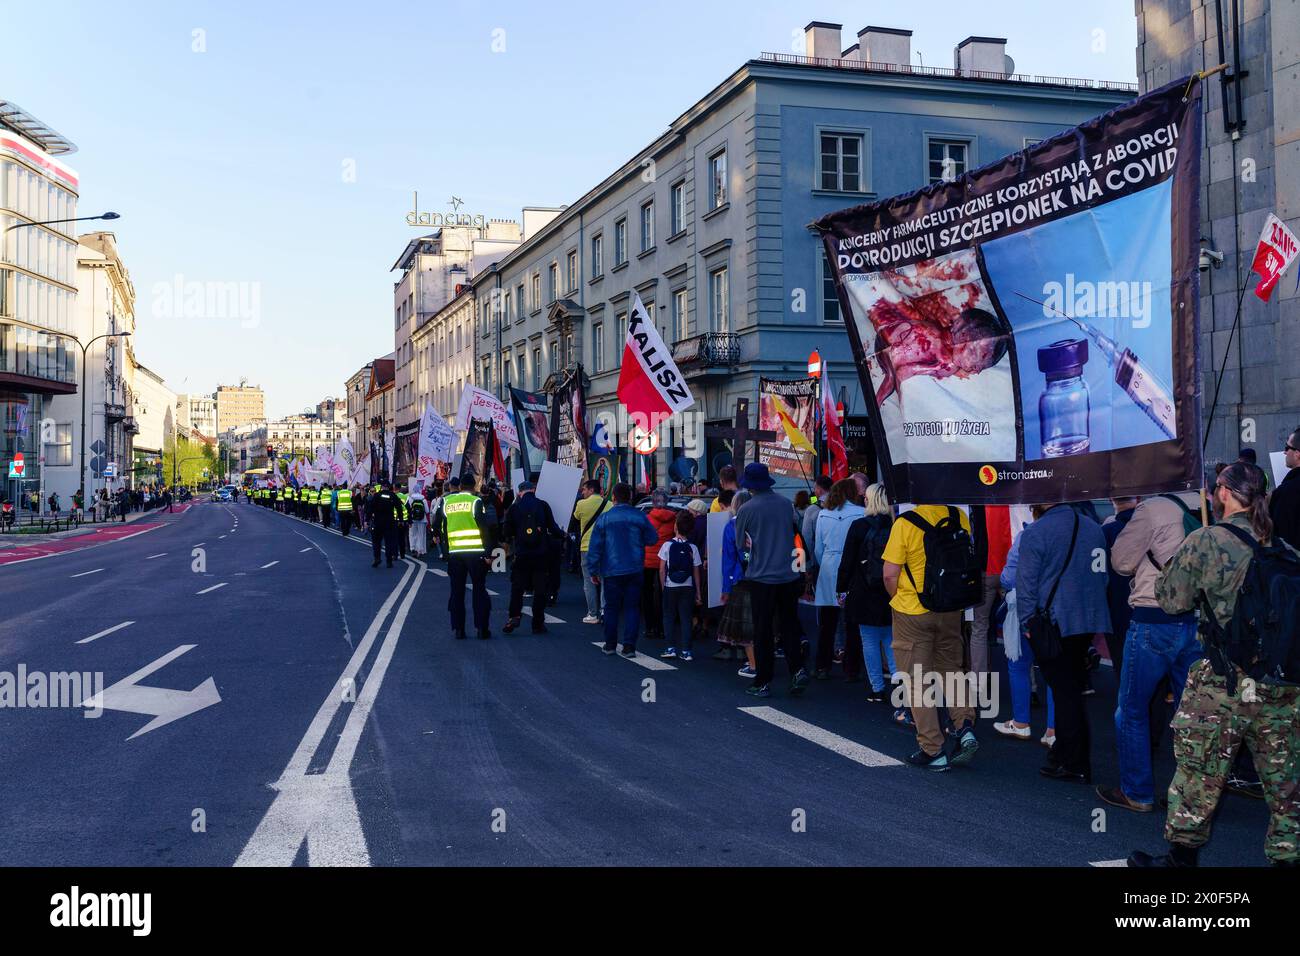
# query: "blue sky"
(228, 165)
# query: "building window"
(487, 373)
(506, 378)
(830, 301)
(841, 161)
(947, 159)
(718, 179)
(647, 225)
(519, 301)
(598, 347)
(681, 316)
(571, 270)
(555, 355)
(678, 207)
(568, 348)
(555, 281)
(537, 369)
(505, 311)
(620, 242)
(597, 256)
(59, 451)
(537, 290)
(719, 301)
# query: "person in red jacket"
(663, 519)
(991, 525)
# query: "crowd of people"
(913, 602)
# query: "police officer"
(326, 502)
(344, 505)
(451, 487)
(1221, 707)
(530, 527)
(465, 525)
(403, 526)
(382, 513)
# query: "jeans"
(1018, 676)
(875, 640)
(679, 606)
(622, 596)
(590, 589)
(1151, 653)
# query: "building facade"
(709, 223)
(38, 291)
(380, 412)
(155, 416)
(444, 356)
(355, 388)
(1250, 168)
(239, 405)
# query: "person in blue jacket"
(615, 560)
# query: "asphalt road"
(321, 713)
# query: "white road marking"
(1109, 863)
(439, 571)
(823, 738)
(213, 588)
(321, 808)
(84, 573)
(470, 587)
(268, 565)
(158, 555)
(306, 549)
(645, 660)
(200, 544)
(104, 633)
(549, 618)
(161, 703)
(220, 536)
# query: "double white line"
(320, 808)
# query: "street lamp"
(51, 222)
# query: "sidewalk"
(15, 548)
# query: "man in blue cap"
(769, 521)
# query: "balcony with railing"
(708, 353)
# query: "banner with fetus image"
(1027, 332)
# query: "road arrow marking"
(105, 632)
(162, 704)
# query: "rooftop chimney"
(885, 45)
(981, 54)
(852, 53)
(822, 40)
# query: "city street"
(319, 712)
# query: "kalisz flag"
(650, 386)
(1276, 251)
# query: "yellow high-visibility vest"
(463, 534)
(345, 500)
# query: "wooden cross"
(739, 434)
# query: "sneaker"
(938, 763)
(627, 651)
(761, 691)
(1047, 740)
(964, 745)
(607, 649)
(591, 619)
(904, 719)
(684, 656)
(798, 682)
(876, 696)
(510, 625)
(747, 671)
(669, 652)
(1007, 729)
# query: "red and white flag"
(650, 386)
(1276, 251)
(839, 463)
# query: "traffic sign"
(110, 470)
(18, 466)
(644, 442)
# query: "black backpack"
(680, 562)
(870, 572)
(1261, 637)
(954, 580)
(416, 505)
(530, 531)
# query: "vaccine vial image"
(1064, 406)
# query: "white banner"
(361, 474)
(437, 440)
(480, 404)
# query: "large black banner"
(533, 422)
(476, 459)
(569, 423)
(1028, 331)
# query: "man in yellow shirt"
(726, 482)
(927, 643)
(585, 513)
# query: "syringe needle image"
(1146, 390)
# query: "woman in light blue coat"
(842, 507)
